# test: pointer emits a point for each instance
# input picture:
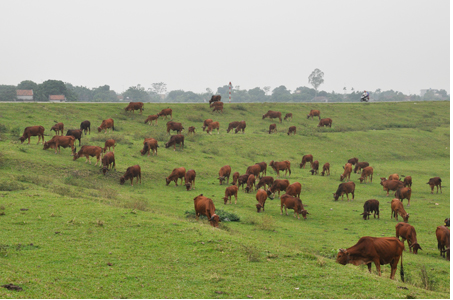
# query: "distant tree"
(159, 88)
(7, 92)
(267, 89)
(27, 85)
(82, 93)
(136, 94)
(209, 91)
(316, 79)
(223, 91)
(281, 94)
(52, 87)
(257, 95)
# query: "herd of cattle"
(367, 250)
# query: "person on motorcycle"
(365, 96)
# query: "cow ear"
(342, 250)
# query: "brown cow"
(273, 115)
(443, 241)
(353, 160)
(325, 122)
(135, 106)
(370, 206)
(224, 172)
(345, 188)
(110, 143)
(360, 165)
(381, 251)
(175, 126)
(240, 127)
(250, 183)
(433, 182)
(148, 145)
(59, 127)
(347, 172)
(326, 169)
(261, 197)
(32, 131)
(281, 166)
(314, 113)
(189, 179)
(306, 158)
(165, 112)
(391, 185)
(213, 125)
(366, 172)
(394, 177)
(266, 180)
(191, 129)
(152, 118)
(88, 151)
(177, 173)
(295, 203)
(176, 139)
(255, 170)
(218, 106)
(272, 128)
(130, 173)
(235, 178)
(106, 124)
(314, 167)
(294, 189)
(76, 133)
(108, 161)
(397, 208)
(206, 123)
(232, 190)
(232, 126)
(292, 130)
(288, 116)
(402, 193)
(243, 180)
(407, 181)
(215, 98)
(263, 166)
(204, 206)
(60, 141)
(407, 232)
(278, 186)
(86, 126)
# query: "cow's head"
(167, 145)
(258, 208)
(104, 170)
(447, 222)
(304, 213)
(361, 179)
(342, 177)
(406, 218)
(247, 189)
(342, 257)
(22, 139)
(122, 180)
(221, 179)
(336, 196)
(214, 220)
(322, 173)
(225, 199)
(46, 146)
(187, 186)
(167, 181)
(312, 172)
(365, 215)
(269, 193)
(415, 247)
(99, 129)
(382, 180)
(308, 116)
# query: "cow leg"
(181, 180)
(378, 266)
(369, 267)
(235, 198)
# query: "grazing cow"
(110, 143)
(325, 122)
(130, 173)
(404, 192)
(380, 251)
(232, 190)
(266, 180)
(278, 186)
(86, 126)
(235, 178)
(32, 131)
(76, 133)
(292, 130)
(288, 116)
(232, 126)
(189, 179)
(261, 197)
(407, 181)
(215, 98)
(345, 188)
(314, 113)
(88, 151)
(60, 141)
(152, 118)
(204, 206)
(272, 128)
(176, 139)
(314, 167)
(407, 232)
(353, 160)
(243, 180)
(325, 169)
(433, 182)
(191, 130)
(394, 177)
(443, 241)
(213, 125)
(273, 115)
(206, 123)
(148, 145)
(218, 106)
(255, 170)
(108, 161)
(240, 127)
(397, 208)
(294, 189)
(370, 206)
(306, 158)
(165, 112)
(360, 165)
(59, 127)
(391, 185)
(447, 222)
(295, 203)
(224, 172)
(250, 183)
(106, 124)
(177, 173)
(347, 172)
(175, 126)
(263, 167)
(367, 172)
(281, 166)
(135, 106)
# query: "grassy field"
(70, 232)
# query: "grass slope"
(86, 236)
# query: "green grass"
(86, 236)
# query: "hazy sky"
(194, 45)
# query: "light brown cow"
(32, 131)
(443, 241)
(281, 166)
(325, 122)
(131, 172)
(314, 113)
(60, 141)
(204, 206)
(261, 197)
(165, 112)
(291, 130)
(272, 128)
(407, 181)
(273, 115)
(224, 172)
(212, 126)
(59, 127)
(135, 106)
(235, 178)
(88, 151)
(288, 116)
(314, 167)
(366, 172)
(391, 185)
(294, 189)
(407, 232)
(295, 203)
(174, 140)
(108, 161)
(347, 172)
(266, 180)
(404, 192)
(206, 123)
(232, 190)
(397, 208)
(255, 170)
(177, 173)
(325, 169)
(263, 166)
(148, 145)
(433, 182)
(250, 183)
(394, 177)
(218, 106)
(110, 143)
(232, 126)
(306, 158)
(240, 127)
(106, 125)
(189, 179)
(152, 118)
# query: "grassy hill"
(70, 232)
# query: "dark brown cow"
(272, 128)
(278, 186)
(177, 173)
(397, 208)
(175, 126)
(189, 179)
(367, 172)
(88, 151)
(370, 206)
(261, 197)
(292, 130)
(295, 203)
(353, 160)
(347, 172)
(380, 251)
(218, 106)
(108, 161)
(263, 166)
(265, 181)
(433, 182)
(250, 183)
(288, 116)
(176, 139)
(360, 165)
(224, 172)
(206, 123)
(447, 222)
(204, 206)
(326, 169)
(345, 188)
(407, 232)
(60, 141)
(59, 127)
(273, 115)
(314, 167)
(294, 189)
(407, 181)
(106, 124)
(76, 133)
(232, 126)
(281, 166)
(314, 113)
(443, 241)
(86, 126)
(215, 98)
(130, 173)
(235, 178)
(240, 127)
(165, 112)
(110, 143)
(325, 122)
(305, 159)
(391, 185)
(402, 193)
(148, 145)
(191, 129)
(242, 180)
(32, 131)
(232, 190)
(213, 125)
(152, 118)
(255, 170)
(135, 106)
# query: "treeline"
(138, 93)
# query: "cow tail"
(402, 269)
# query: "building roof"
(24, 92)
(57, 97)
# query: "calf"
(149, 145)
(86, 126)
(261, 197)
(291, 202)
(204, 206)
(366, 172)
(360, 165)
(218, 106)
(281, 166)
(106, 125)
(224, 172)
(353, 161)
(433, 182)
(278, 186)
(232, 190)
(191, 130)
(273, 115)
(314, 113)
(59, 127)
(212, 126)
(152, 118)
(240, 127)
(242, 180)
(325, 169)
(325, 122)
(294, 189)
(404, 192)
(370, 206)
(235, 178)
(175, 126)
(314, 167)
(130, 173)
(189, 179)
(407, 181)
(266, 180)
(347, 172)
(60, 141)
(397, 208)
(345, 188)
(176, 139)
(292, 130)
(232, 126)
(443, 241)
(250, 183)
(305, 159)
(88, 151)
(76, 133)
(407, 232)
(165, 112)
(177, 173)
(206, 123)
(288, 116)
(391, 185)
(110, 143)
(108, 161)
(32, 131)
(255, 170)
(272, 128)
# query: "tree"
(266, 89)
(7, 93)
(281, 94)
(159, 88)
(316, 79)
(136, 94)
(27, 85)
(257, 95)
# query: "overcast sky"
(194, 45)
